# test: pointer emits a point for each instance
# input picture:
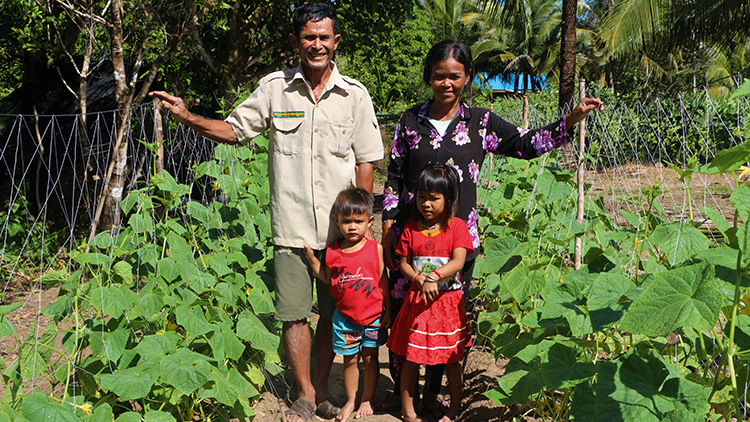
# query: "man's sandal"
(302, 408)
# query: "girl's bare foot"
(345, 411)
(450, 416)
(412, 418)
(365, 409)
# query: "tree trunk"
(515, 84)
(568, 54)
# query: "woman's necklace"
(432, 227)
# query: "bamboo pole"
(525, 112)
(158, 136)
(580, 170)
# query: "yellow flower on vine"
(744, 172)
(744, 305)
(86, 408)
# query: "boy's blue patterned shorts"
(349, 338)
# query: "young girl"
(431, 327)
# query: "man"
(323, 136)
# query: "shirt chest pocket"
(286, 134)
(341, 139)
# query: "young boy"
(354, 268)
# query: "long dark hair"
(441, 178)
(448, 49)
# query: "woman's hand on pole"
(583, 108)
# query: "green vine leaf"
(684, 296)
(560, 368)
(679, 241)
(129, 384)
(251, 329)
(40, 407)
(180, 371)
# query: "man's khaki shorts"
(294, 284)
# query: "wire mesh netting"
(55, 170)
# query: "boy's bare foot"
(345, 411)
(365, 409)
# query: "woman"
(445, 130)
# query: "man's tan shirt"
(313, 149)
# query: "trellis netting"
(53, 171)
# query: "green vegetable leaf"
(158, 416)
(522, 283)
(560, 368)
(109, 300)
(497, 250)
(129, 384)
(519, 382)
(129, 417)
(250, 328)
(40, 407)
(679, 241)
(742, 91)
(122, 272)
(193, 320)
(6, 309)
(181, 372)
(684, 296)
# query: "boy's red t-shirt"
(355, 283)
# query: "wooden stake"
(525, 112)
(158, 136)
(580, 170)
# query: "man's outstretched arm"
(216, 130)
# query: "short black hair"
(353, 201)
(444, 50)
(315, 12)
(440, 178)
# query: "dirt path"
(480, 374)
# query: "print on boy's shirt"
(354, 281)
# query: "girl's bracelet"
(429, 279)
(415, 277)
(440, 277)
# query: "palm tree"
(668, 36)
(635, 25)
(522, 46)
(529, 45)
(510, 10)
(446, 17)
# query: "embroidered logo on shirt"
(288, 114)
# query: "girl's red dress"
(438, 332)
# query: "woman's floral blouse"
(472, 134)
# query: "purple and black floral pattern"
(390, 199)
(435, 138)
(473, 224)
(474, 171)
